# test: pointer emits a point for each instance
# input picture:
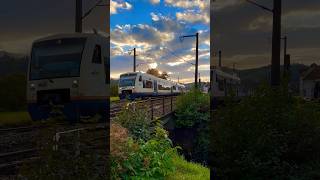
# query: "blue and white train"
(70, 70)
(224, 83)
(134, 85)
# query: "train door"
(155, 87)
(94, 68)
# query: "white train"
(224, 83)
(139, 85)
(71, 70)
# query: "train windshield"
(127, 80)
(56, 58)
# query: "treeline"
(13, 92)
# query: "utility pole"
(285, 56)
(197, 56)
(276, 43)
(78, 20)
(79, 16)
(276, 39)
(134, 59)
(285, 47)
(197, 53)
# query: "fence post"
(78, 144)
(56, 139)
(163, 105)
(151, 103)
(171, 103)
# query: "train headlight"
(75, 84)
(32, 87)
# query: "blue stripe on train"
(72, 110)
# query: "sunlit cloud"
(158, 44)
(153, 65)
(115, 5)
(154, 1)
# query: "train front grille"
(55, 96)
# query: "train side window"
(97, 55)
(148, 84)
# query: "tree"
(164, 75)
(156, 72)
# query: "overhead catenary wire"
(172, 53)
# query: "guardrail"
(156, 106)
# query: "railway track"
(19, 145)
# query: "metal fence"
(156, 107)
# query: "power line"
(172, 53)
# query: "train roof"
(152, 76)
(71, 35)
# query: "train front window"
(127, 80)
(56, 58)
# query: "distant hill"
(251, 78)
(12, 63)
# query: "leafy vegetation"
(188, 170)
(14, 118)
(136, 121)
(137, 159)
(270, 135)
(114, 99)
(192, 109)
(13, 92)
(136, 156)
(193, 114)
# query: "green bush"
(270, 135)
(193, 113)
(136, 121)
(192, 109)
(152, 159)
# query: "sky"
(154, 28)
(243, 32)
(21, 22)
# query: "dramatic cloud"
(158, 45)
(244, 32)
(187, 4)
(155, 1)
(140, 35)
(118, 4)
(196, 11)
(193, 16)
